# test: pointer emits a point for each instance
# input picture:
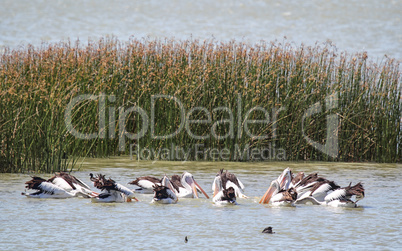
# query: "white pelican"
(284, 197)
(46, 189)
(72, 184)
(164, 195)
(111, 191)
(228, 180)
(341, 197)
(146, 184)
(223, 196)
(320, 191)
(185, 186)
(111, 196)
(282, 183)
(61, 185)
(314, 186)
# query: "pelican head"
(285, 179)
(188, 180)
(165, 182)
(281, 183)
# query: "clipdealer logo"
(198, 151)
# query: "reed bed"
(228, 80)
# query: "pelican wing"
(80, 182)
(217, 185)
(346, 193)
(172, 195)
(240, 183)
(339, 194)
(84, 192)
(304, 190)
(146, 182)
(310, 199)
(50, 188)
(218, 197)
(230, 177)
(67, 181)
(320, 190)
(124, 190)
(214, 185)
(62, 183)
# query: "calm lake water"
(78, 224)
(360, 25)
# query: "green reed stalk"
(37, 84)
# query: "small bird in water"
(185, 239)
(268, 230)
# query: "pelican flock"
(286, 190)
(313, 189)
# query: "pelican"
(282, 183)
(164, 195)
(185, 186)
(61, 185)
(226, 180)
(341, 197)
(284, 197)
(314, 186)
(46, 189)
(146, 184)
(72, 184)
(111, 191)
(223, 196)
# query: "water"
(372, 26)
(78, 224)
